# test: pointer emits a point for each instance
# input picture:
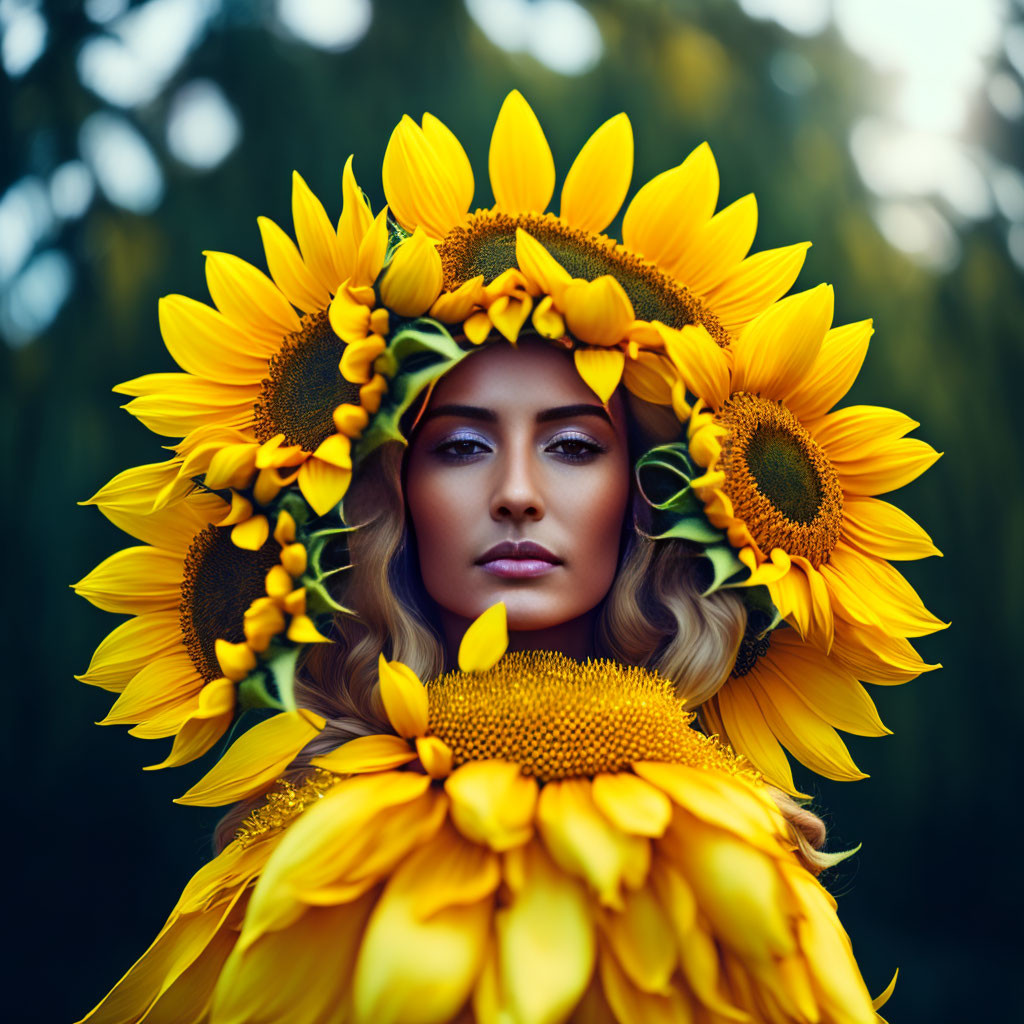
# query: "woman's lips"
(518, 560)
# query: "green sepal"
(272, 683)
(699, 530)
(417, 354)
(724, 565)
(253, 693)
(761, 608)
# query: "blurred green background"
(133, 136)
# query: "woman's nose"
(517, 493)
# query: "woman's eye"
(458, 448)
(576, 449)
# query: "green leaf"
(695, 528)
(724, 565)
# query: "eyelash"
(446, 449)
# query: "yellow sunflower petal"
(887, 467)
(631, 804)
(130, 646)
(597, 312)
(521, 167)
(880, 529)
(316, 236)
(601, 369)
(167, 684)
(404, 697)
(485, 641)
(204, 727)
(876, 657)
(747, 730)
(649, 376)
(755, 284)
(206, 343)
(254, 760)
(248, 298)
(426, 173)
(543, 272)
(584, 843)
(493, 803)
(192, 403)
(372, 250)
(549, 912)
(701, 362)
(774, 351)
(450, 938)
(133, 581)
(290, 274)
(413, 279)
(811, 740)
(453, 307)
(599, 178)
(830, 691)
(252, 534)
(142, 489)
(854, 432)
(367, 754)
(354, 222)
(322, 484)
(664, 216)
(641, 938)
(236, 661)
(834, 371)
(717, 247)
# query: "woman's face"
(517, 485)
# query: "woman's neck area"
(574, 639)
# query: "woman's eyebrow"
(569, 412)
(466, 412)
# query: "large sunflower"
(681, 263)
(795, 486)
(261, 396)
(204, 610)
(569, 850)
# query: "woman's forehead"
(531, 373)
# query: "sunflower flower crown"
(288, 383)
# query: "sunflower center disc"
(752, 647)
(304, 387)
(487, 245)
(780, 482)
(558, 718)
(219, 583)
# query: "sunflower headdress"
(290, 380)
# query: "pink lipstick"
(521, 559)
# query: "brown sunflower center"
(780, 482)
(752, 647)
(487, 245)
(559, 718)
(304, 387)
(219, 583)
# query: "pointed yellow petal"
(254, 760)
(335, 450)
(880, 529)
(435, 756)
(413, 279)
(316, 235)
(353, 224)
(427, 179)
(834, 371)
(548, 913)
(167, 684)
(599, 178)
(141, 488)
(191, 403)
(252, 534)
(248, 298)
(717, 248)
(650, 377)
(854, 432)
(323, 485)
(543, 272)
(485, 641)
(701, 362)
(134, 643)
(550, 324)
(493, 803)
(372, 250)
(642, 941)
(601, 369)
(876, 657)
(367, 754)
(774, 351)
(755, 284)
(508, 315)
(521, 167)
(454, 307)
(664, 216)
(236, 661)
(204, 726)
(133, 581)
(302, 630)
(206, 343)
(404, 697)
(887, 467)
(290, 274)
